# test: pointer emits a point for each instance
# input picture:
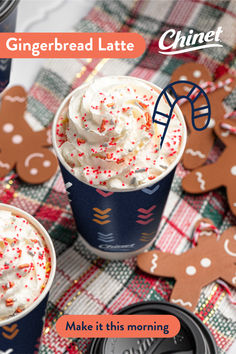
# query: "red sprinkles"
(108, 151)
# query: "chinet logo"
(191, 42)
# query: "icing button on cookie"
(233, 170)
(46, 163)
(205, 262)
(8, 127)
(17, 139)
(191, 270)
(33, 171)
(197, 73)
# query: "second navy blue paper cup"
(20, 334)
(123, 223)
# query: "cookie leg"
(185, 295)
(157, 263)
(198, 148)
(43, 137)
(203, 179)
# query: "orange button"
(71, 45)
(118, 326)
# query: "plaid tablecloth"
(85, 284)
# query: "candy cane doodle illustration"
(195, 92)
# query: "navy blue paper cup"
(21, 334)
(8, 10)
(123, 223)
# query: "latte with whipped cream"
(25, 264)
(106, 136)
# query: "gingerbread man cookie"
(20, 146)
(197, 267)
(200, 144)
(220, 173)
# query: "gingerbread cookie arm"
(229, 84)
(228, 245)
(196, 153)
(225, 130)
(6, 164)
(43, 137)
(231, 195)
(205, 228)
(157, 263)
(14, 101)
(229, 275)
(204, 179)
(188, 297)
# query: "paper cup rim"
(142, 186)
(51, 249)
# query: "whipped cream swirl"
(106, 134)
(24, 264)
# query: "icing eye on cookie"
(191, 270)
(197, 74)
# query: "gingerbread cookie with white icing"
(20, 146)
(197, 267)
(220, 173)
(200, 143)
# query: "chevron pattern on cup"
(104, 193)
(8, 351)
(37, 345)
(145, 216)
(106, 237)
(4, 64)
(101, 216)
(68, 185)
(150, 190)
(10, 332)
(146, 236)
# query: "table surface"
(44, 16)
(48, 16)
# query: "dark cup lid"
(193, 337)
(6, 7)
